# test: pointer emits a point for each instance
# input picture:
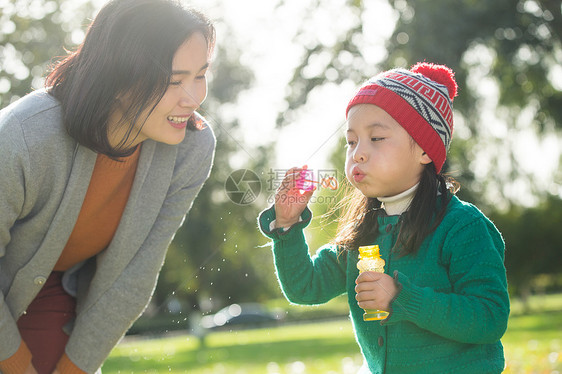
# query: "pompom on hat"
(420, 100)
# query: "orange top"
(101, 211)
(104, 203)
(18, 362)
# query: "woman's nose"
(189, 97)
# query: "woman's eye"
(351, 143)
(176, 83)
(375, 139)
(201, 77)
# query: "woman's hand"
(375, 290)
(290, 201)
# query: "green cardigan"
(452, 307)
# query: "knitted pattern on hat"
(420, 100)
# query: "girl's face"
(382, 159)
(188, 88)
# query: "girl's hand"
(289, 200)
(375, 290)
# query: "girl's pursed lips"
(357, 171)
(357, 174)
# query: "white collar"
(398, 204)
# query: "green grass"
(533, 341)
(533, 344)
(327, 347)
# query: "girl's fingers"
(293, 179)
(364, 287)
(365, 296)
(296, 169)
(369, 276)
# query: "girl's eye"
(351, 143)
(175, 83)
(373, 139)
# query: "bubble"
(273, 368)
(533, 344)
(5, 85)
(297, 367)
(402, 38)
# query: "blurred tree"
(213, 256)
(507, 57)
(214, 259)
(512, 47)
(32, 34)
(516, 46)
(533, 240)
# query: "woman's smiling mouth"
(178, 122)
(178, 119)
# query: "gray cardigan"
(44, 175)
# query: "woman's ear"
(424, 159)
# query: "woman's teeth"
(178, 119)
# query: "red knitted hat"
(420, 100)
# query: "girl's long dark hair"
(359, 226)
(128, 49)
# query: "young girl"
(444, 282)
(97, 173)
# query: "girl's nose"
(360, 154)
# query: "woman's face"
(187, 90)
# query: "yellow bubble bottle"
(370, 260)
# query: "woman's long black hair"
(359, 226)
(128, 49)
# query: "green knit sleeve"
(304, 279)
(477, 308)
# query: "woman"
(98, 173)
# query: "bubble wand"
(306, 181)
